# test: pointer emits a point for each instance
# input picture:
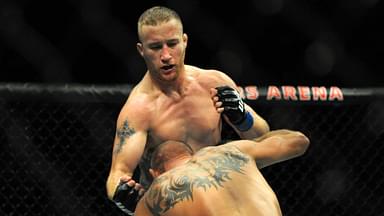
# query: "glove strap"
(124, 209)
(246, 124)
(123, 197)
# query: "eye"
(172, 43)
(155, 47)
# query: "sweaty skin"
(173, 101)
(189, 116)
(222, 180)
(214, 180)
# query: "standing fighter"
(173, 101)
(219, 180)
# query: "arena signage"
(292, 93)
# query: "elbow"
(302, 143)
(265, 128)
(262, 127)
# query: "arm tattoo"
(177, 185)
(122, 133)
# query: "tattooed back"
(215, 181)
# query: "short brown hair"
(156, 15)
(167, 151)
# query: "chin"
(171, 77)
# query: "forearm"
(279, 145)
(113, 181)
(277, 133)
(121, 170)
(259, 128)
(289, 143)
(109, 186)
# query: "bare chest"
(190, 118)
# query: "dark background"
(259, 42)
(56, 145)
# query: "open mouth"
(167, 68)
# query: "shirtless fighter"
(220, 180)
(173, 101)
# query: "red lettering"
(304, 93)
(319, 93)
(335, 93)
(251, 92)
(273, 93)
(289, 92)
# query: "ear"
(140, 48)
(185, 39)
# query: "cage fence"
(56, 145)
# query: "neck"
(172, 86)
(178, 161)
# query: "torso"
(216, 181)
(190, 117)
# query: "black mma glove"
(126, 197)
(234, 108)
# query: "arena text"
(292, 93)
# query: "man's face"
(163, 49)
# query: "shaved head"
(167, 151)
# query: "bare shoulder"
(211, 78)
(138, 107)
(244, 146)
(209, 169)
(167, 190)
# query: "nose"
(165, 54)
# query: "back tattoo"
(212, 170)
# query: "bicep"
(129, 142)
(128, 150)
(130, 138)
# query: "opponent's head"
(162, 42)
(168, 155)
